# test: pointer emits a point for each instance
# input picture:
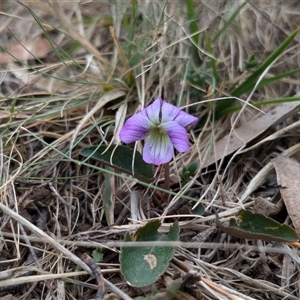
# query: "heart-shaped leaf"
(120, 158)
(142, 266)
(198, 210)
(256, 226)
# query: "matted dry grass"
(77, 92)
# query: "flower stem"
(167, 180)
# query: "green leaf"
(187, 172)
(249, 225)
(120, 158)
(193, 168)
(174, 287)
(142, 266)
(198, 210)
(97, 255)
(251, 63)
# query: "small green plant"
(188, 172)
(97, 255)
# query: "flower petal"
(135, 128)
(169, 112)
(158, 149)
(178, 136)
(152, 111)
(173, 113)
(185, 119)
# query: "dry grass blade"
(63, 19)
(56, 245)
(268, 169)
(72, 73)
(108, 97)
(47, 238)
(239, 137)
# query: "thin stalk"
(167, 181)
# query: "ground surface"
(73, 72)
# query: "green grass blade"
(273, 79)
(228, 22)
(212, 60)
(230, 110)
(250, 82)
(56, 49)
(193, 24)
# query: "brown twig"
(98, 275)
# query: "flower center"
(157, 131)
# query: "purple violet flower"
(162, 126)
